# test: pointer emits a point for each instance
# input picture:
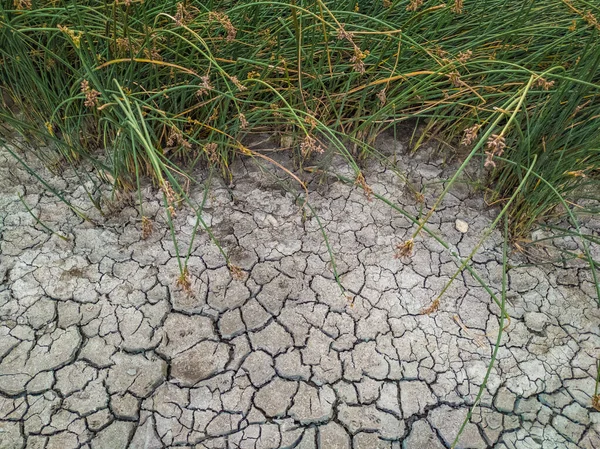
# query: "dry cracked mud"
(100, 349)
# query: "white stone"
(461, 226)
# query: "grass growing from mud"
(157, 88)
(320, 74)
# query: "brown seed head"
(455, 79)
(357, 59)
(544, 84)
(345, 35)
(182, 16)
(464, 56)
(591, 20)
(236, 82)
(243, 121)
(22, 4)
(176, 139)
(91, 95)
(74, 35)
(470, 134)
(489, 160)
(381, 95)
(404, 249)
(205, 86)
(495, 145)
(310, 145)
(152, 54)
(457, 8)
(211, 150)
(223, 19)
(439, 51)
(414, 5)
(171, 197)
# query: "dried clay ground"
(100, 349)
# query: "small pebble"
(132, 372)
(461, 226)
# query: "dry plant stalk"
(479, 340)
(236, 272)
(360, 181)
(184, 282)
(350, 299)
(147, 227)
(433, 307)
(577, 174)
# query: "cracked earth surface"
(100, 349)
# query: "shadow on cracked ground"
(99, 349)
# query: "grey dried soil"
(100, 349)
